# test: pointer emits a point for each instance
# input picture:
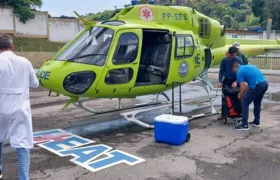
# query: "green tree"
(232, 13)
(257, 7)
(265, 9)
(23, 8)
(143, 1)
(271, 10)
(102, 16)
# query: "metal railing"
(267, 61)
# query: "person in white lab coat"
(16, 77)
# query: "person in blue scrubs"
(227, 78)
(257, 86)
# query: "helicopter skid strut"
(80, 104)
(130, 116)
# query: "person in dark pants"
(257, 86)
(227, 78)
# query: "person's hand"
(220, 85)
(234, 85)
(239, 97)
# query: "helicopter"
(140, 51)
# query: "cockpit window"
(127, 48)
(91, 48)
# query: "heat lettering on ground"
(84, 153)
(174, 16)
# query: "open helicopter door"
(122, 65)
(208, 58)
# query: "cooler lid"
(172, 119)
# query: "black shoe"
(0, 175)
(241, 128)
(254, 124)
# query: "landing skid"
(130, 116)
(80, 104)
(208, 86)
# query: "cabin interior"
(155, 57)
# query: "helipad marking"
(63, 144)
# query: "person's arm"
(242, 83)
(33, 80)
(221, 71)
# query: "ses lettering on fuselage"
(84, 153)
(175, 16)
(183, 69)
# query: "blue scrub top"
(226, 68)
(251, 75)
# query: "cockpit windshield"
(91, 48)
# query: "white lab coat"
(16, 76)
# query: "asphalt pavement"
(215, 152)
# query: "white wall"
(62, 30)
(55, 29)
(37, 27)
(6, 20)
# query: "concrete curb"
(265, 72)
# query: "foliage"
(143, 1)
(23, 8)
(267, 9)
(233, 13)
(257, 7)
(101, 16)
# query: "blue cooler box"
(171, 129)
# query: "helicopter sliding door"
(121, 69)
(155, 57)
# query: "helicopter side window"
(204, 28)
(127, 49)
(119, 76)
(184, 46)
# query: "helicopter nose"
(79, 82)
(61, 80)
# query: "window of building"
(184, 46)
(119, 76)
(127, 49)
(204, 28)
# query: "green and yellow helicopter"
(141, 50)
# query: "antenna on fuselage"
(81, 18)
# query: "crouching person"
(257, 86)
(16, 76)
